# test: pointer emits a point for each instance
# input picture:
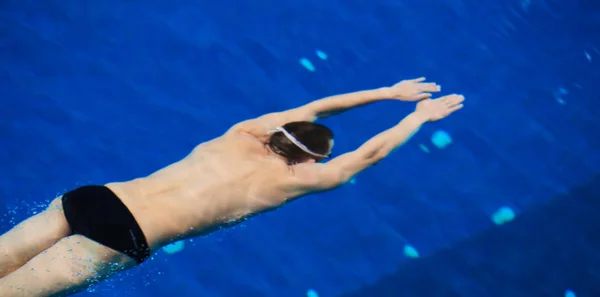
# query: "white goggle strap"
(297, 143)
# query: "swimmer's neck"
(270, 152)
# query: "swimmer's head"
(316, 139)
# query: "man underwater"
(95, 231)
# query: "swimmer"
(95, 231)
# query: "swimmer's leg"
(71, 265)
(32, 236)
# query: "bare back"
(220, 181)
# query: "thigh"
(32, 236)
(72, 264)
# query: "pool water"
(100, 91)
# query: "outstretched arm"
(337, 104)
(407, 90)
(343, 168)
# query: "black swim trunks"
(98, 214)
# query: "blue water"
(100, 91)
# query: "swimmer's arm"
(341, 169)
(337, 104)
(406, 90)
(310, 112)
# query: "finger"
(420, 79)
(445, 97)
(450, 99)
(430, 87)
(456, 99)
(455, 108)
(424, 96)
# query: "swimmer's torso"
(219, 181)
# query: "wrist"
(384, 93)
(419, 117)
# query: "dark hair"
(314, 136)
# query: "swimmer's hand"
(436, 109)
(411, 90)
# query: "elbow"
(346, 174)
(376, 156)
(380, 155)
(343, 169)
(336, 178)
